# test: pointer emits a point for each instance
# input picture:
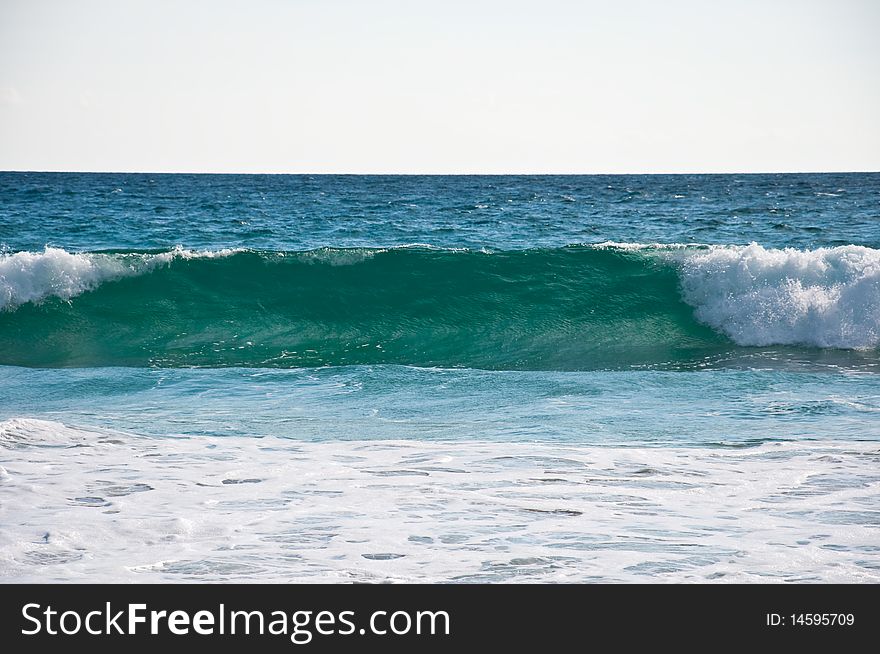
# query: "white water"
(829, 297)
(54, 272)
(81, 505)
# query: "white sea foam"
(43, 433)
(127, 508)
(34, 276)
(54, 272)
(828, 297)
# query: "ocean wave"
(577, 307)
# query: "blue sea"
(332, 378)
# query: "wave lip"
(34, 276)
(827, 298)
(54, 272)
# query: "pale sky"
(375, 86)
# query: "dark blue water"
(300, 212)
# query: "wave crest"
(54, 272)
(828, 297)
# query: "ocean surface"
(439, 378)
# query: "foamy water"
(79, 505)
(55, 272)
(829, 297)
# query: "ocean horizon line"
(444, 174)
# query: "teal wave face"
(572, 308)
(556, 309)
